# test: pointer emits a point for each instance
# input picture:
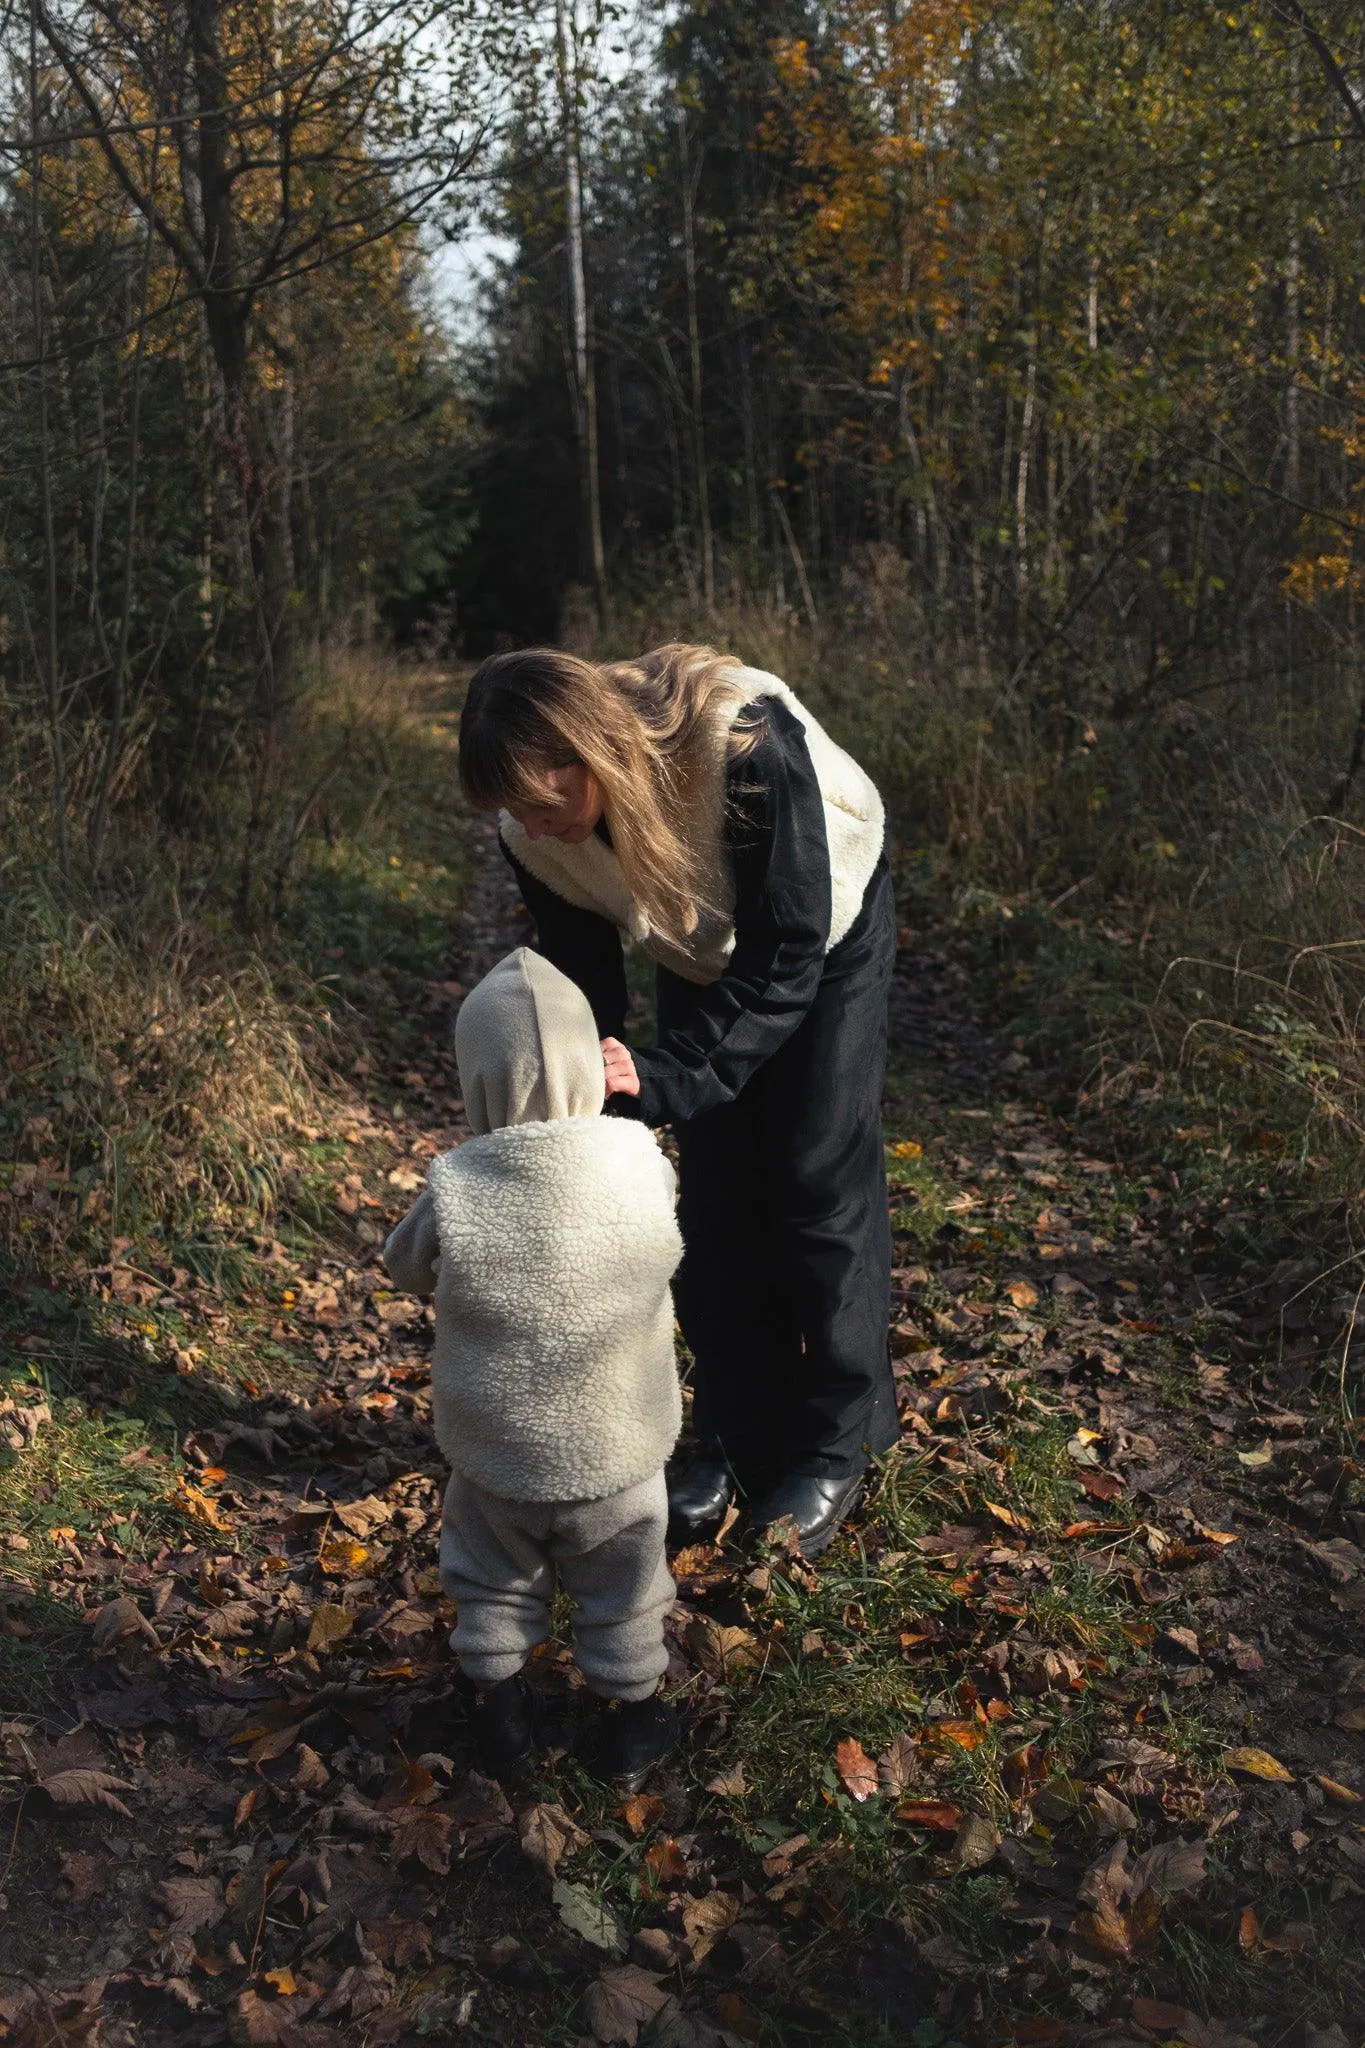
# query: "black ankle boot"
(505, 1719)
(816, 1505)
(632, 1736)
(697, 1500)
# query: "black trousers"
(783, 1295)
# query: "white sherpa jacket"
(589, 875)
(551, 1240)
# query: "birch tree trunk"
(584, 389)
(708, 551)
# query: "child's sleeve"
(413, 1249)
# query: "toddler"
(549, 1240)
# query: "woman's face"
(573, 818)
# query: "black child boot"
(505, 1719)
(632, 1737)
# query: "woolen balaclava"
(527, 1047)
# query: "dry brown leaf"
(86, 1788)
(641, 1810)
(411, 1784)
(737, 2016)
(330, 1625)
(857, 1772)
(1341, 1795)
(1100, 1485)
(425, 1834)
(119, 1618)
(190, 1904)
(1169, 1869)
(728, 1784)
(664, 1863)
(706, 1920)
(899, 1765)
(620, 2003)
(1022, 1293)
(721, 1651)
(976, 1842)
(547, 1835)
(283, 1981)
(939, 1814)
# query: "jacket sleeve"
(775, 837)
(412, 1249)
(580, 944)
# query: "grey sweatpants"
(499, 1559)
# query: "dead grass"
(168, 1076)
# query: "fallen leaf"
(190, 1904)
(721, 1650)
(976, 1842)
(1022, 1293)
(341, 1556)
(1111, 1813)
(548, 1835)
(706, 1920)
(899, 1765)
(641, 1810)
(739, 2017)
(619, 2004)
(425, 1834)
(588, 1916)
(664, 1863)
(856, 1769)
(1262, 1455)
(1342, 1795)
(330, 1625)
(938, 1814)
(1169, 1869)
(908, 1148)
(1248, 1928)
(1258, 1763)
(1100, 1485)
(1008, 1517)
(961, 1734)
(726, 1785)
(283, 1980)
(86, 1788)
(119, 1618)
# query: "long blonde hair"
(640, 727)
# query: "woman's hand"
(622, 1078)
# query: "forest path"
(1063, 1744)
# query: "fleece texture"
(527, 1047)
(590, 875)
(550, 1245)
(499, 1560)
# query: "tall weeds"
(165, 1069)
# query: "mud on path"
(1065, 1744)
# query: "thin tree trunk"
(1293, 274)
(56, 749)
(798, 562)
(118, 694)
(708, 561)
(584, 391)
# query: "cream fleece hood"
(527, 1047)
